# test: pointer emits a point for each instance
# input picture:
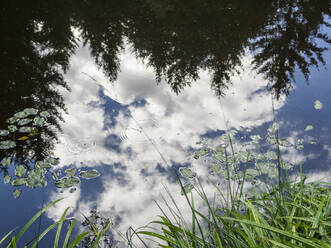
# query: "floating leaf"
(43, 165)
(20, 115)
(72, 190)
(89, 174)
(53, 161)
(12, 120)
(24, 122)
(284, 143)
(318, 105)
(220, 156)
(36, 178)
(7, 144)
(4, 132)
(6, 161)
(30, 111)
(20, 171)
(17, 193)
(24, 138)
(67, 182)
(6, 179)
(270, 155)
(25, 130)
(308, 128)
(271, 140)
(12, 128)
(251, 173)
(299, 144)
(263, 167)
(200, 153)
(273, 128)
(18, 181)
(71, 172)
(186, 172)
(286, 166)
(39, 121)
(45, 114)
(217, 169)
(255, 138)
(187, 188)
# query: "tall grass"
(10, 240)
(288, 213)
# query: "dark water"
(153, 79)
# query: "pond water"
(134, 88)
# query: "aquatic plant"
(260, 207)
(11, 240)
(35, 175)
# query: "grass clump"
(261, 206)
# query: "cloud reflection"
(137, 127)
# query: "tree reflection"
(176, 38)
(35, 47)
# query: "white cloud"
(166, 126)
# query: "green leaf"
(71, 172)
(7, 144)
(23, 122)
(18, 181)
(17, 193)
(187, 173)
(89, 174)
(30, 111)
(33, 219)
(318, 105)
(67, 182)
(6, 179)
(4, 132)
(6, 161)
(20, 171)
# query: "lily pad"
(45, 114)
(308, 128)
(12, 120)
(36, 178)
(17, 193)
(23, 122)
(71, 172)
(251, 173)
(318, 105)
(284, 143)
(67, 182)
(273, 128)
(6, 179)
(25, 130)
(39, 121)
(12, 128)
(30, 111)
(20, 115)
(18, 181)
(52, 161)
(89, 174)
(187, 188)
(4, 132)
(6, 161)
(7, 144)
(20, 171)
(186, 172)
(216, 169)
(200, 153)
(43, 165)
